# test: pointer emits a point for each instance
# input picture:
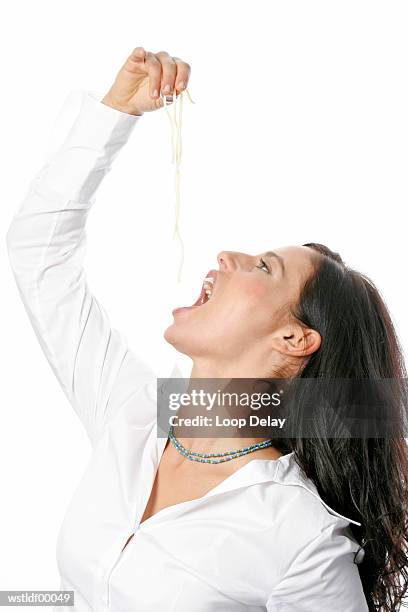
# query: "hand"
(143, 76)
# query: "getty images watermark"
(36, 598)
(282, 408)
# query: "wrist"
(113, 104)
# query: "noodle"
(176, 122)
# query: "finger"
(154, 68)
(169, 70)
(183, 74)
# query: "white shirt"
(260, 540)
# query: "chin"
(186, 343)
(174, 337)
(169, 334)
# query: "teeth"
(208, 289)
(208, 285)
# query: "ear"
(296, 341)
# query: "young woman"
(306, 524)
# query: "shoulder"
(321, 575)
(299, 493)
(319, 572)
(300, 516)
(317, 559)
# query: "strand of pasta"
(176, 147)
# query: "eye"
(263, 265)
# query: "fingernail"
(166, 89)
(181, 85)
(155, 93)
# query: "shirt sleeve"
(323, 576)
(46, 244)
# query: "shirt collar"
(284, 470)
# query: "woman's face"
(248, 314)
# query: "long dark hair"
(358, 341)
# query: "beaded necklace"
(205, 457)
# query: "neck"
(244, 366)
(213, 371)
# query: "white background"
(299, 133)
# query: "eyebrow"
(278, 257)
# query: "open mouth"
(206, 292)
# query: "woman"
(304, 524)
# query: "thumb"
(138, 55)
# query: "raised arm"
(46, 243)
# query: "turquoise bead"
(227, 455)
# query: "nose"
(224, 259)
(229, 260)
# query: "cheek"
(252, 303)
(255, 293)
(263, 304)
